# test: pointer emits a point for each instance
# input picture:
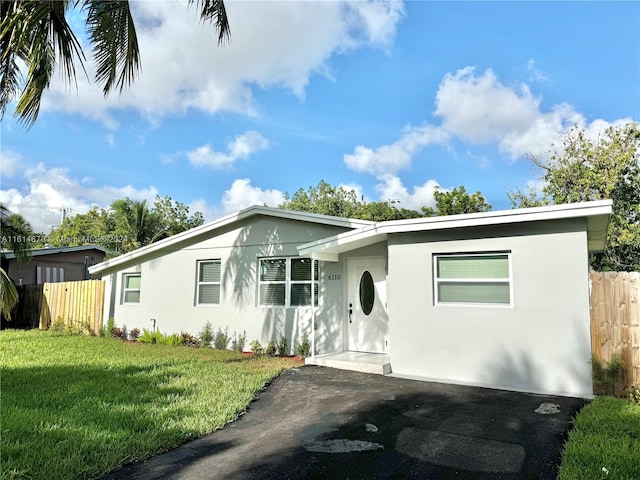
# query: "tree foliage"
(15, 233)
(127, 225)
(455, 202)
(37, 33)
(340, 202)
(606, 168)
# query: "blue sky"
(391, 99)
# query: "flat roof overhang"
(597, 216)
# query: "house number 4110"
(335, 277)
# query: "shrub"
(117, 332)
(283, 347)
(58, 325)
(608, 376)
(634, 393)
(150, 337)
(206, 335)
(172, 340)
(134, 334)
(189, 340)
(272, 348)
(239, 341)
(304, 349)
(111, 325)
(221, 340)
(256, 347)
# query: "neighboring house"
(54, 264)
(497, 299)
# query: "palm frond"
(113, 35)
(214, 11)
(40, 34)
(8, 295)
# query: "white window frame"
(125, 289)
(199, 283)
(437, 281)
(288, 282)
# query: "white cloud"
(535, 74)
(397, 156)
(391, 189)
(51, 189)
(479, 109)
(110, 139)
(242, 194)
(10, 162)
(194, 73)
(240, 148)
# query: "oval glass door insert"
(367, 292)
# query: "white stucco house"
(497, 299)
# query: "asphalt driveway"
(318, 422)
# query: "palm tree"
(14, 230)
(36, 32)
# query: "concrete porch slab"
(379, 363)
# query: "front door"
(366, 305)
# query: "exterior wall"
(540, 344)
(72, 262)
(168, 286)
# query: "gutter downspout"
(313, 309)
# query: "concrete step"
(355, 361)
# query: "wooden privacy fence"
(615, 319)
(78, 304)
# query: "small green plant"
(58, 325)
(134, 334)
(608, 377)
(172, 340)
(634, 393)
(256, 347)
(239, 341)
(221, 340)
(304, 349)
(206, 335)
(189, 340)
(150, 337)
(271, 349)
(283, 346)
(111, 326)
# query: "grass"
(77, 407)
(604, 443)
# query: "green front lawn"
(604, 443)
(77, 407)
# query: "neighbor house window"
(478, 278)
(131, 288)
(49, 274)
(208, 285)
(286, 282)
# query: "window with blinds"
(131, 288)
(481, 279)
(208, 285)
(286, 282)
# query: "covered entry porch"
(378, 363)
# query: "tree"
(15, 232)
(606, 168)
(127, 225)
(455, 202)
(323, 199)
(37, 33)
